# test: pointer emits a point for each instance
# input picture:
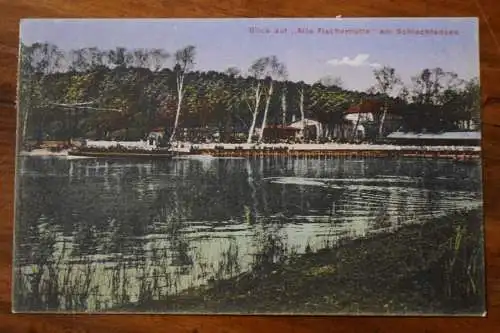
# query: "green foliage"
(134, 91)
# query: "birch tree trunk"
(184, 61)
(252, 128)
(25, 122)
(283, 108)
(355, 129)
(382, 120)
(180, 82)
(254, 113)
(302, 115)
(266, 110)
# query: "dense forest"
(125, 93)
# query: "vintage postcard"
(249, 166)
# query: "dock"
(123, 154)
(293, 151)
(351, 153)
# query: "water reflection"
(94, 234)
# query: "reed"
(435, 266)
(431, 266)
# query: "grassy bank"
(432, 267)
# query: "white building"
(313, 129)
(154, 137)
(357, 120)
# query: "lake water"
(96, 233)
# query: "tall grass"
(445, 254)
(462, 265)
(50, 285)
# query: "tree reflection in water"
(95, 235)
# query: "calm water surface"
(93, 234)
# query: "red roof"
(370, 106)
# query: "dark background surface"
(487, 10)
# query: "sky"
(310, 48)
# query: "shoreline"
(136, 150)
(417, 274)
(186, 146)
